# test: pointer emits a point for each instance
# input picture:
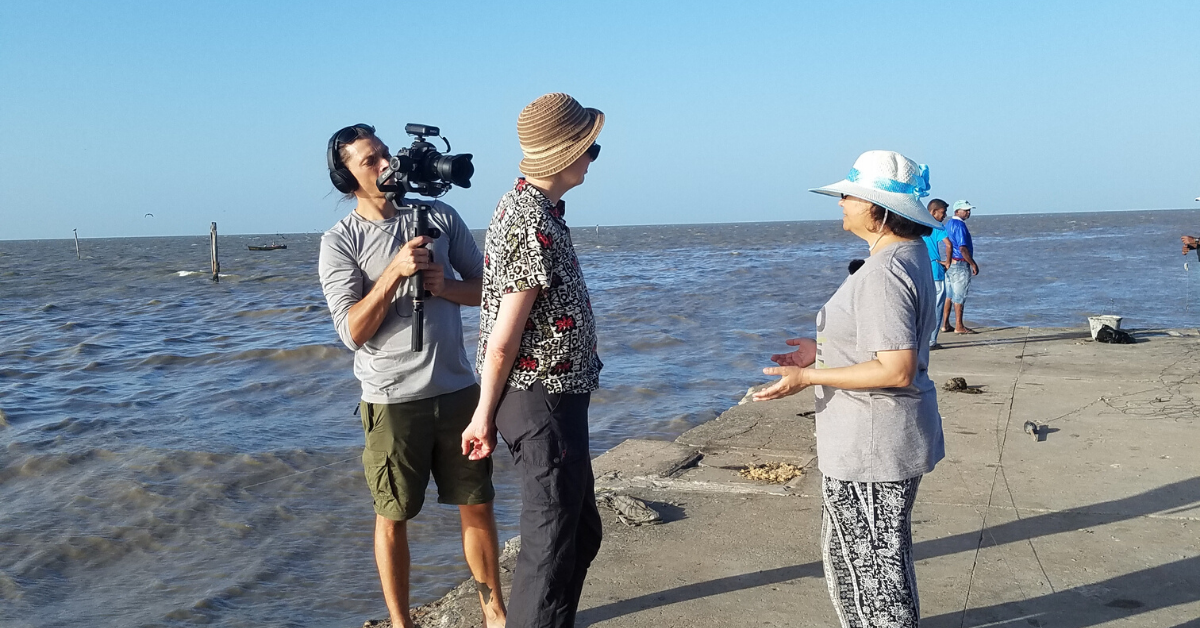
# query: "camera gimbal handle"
(420, 228)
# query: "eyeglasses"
(593, 152)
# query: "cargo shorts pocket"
(370, 417)
(381, 481)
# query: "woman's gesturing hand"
(479, 439)
(792, 380)
(804, 355)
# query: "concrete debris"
(958, 384)
(773, 472)
(630, 510)
(1111, 336)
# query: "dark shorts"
(405, 442)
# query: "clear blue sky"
(204, 111)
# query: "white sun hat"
(890, 180)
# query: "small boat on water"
(267, 247)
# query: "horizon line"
(660, 224)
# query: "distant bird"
(148, 216)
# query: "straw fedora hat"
(890, 180)
(554, 131)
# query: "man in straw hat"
(414, 404)
(538, 364)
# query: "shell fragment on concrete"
(630, 510)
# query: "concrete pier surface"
(1095, 522)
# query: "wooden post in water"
(212, 245)
(76, 232)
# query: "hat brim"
(557, 162)
(906, 205)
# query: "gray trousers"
(560, 525)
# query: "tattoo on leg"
(485, 591)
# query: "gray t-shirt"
(882, 434)
(354, 253)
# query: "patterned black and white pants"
(866, 530)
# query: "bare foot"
(947, 329)
(965, 330)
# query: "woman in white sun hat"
(878, 427)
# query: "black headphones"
(343, 180)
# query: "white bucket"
(1096, 322)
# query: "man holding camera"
(415, 404)
(538, 363)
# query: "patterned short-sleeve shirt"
(528, 246)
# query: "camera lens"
(456, 169)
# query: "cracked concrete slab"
(637, 457)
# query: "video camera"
(420, 169)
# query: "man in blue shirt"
(938, 244)
(962, 266)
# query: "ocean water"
(175, 451)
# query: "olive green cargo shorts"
(408, 441)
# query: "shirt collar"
(558, 211)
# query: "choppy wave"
(267, 313)
(304, 353)
(143, 535)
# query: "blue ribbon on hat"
(919, 189)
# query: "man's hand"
(804, 355)
(1189, 244)
(435, 279)
(479, 439)
(974, 268)
(793, 380)
(412, 257)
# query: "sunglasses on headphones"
(349, 134)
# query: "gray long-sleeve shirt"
(354, 253)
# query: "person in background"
(961, 269)
(538, 364)
(414, 404)
(878, 427)
(939, 246)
